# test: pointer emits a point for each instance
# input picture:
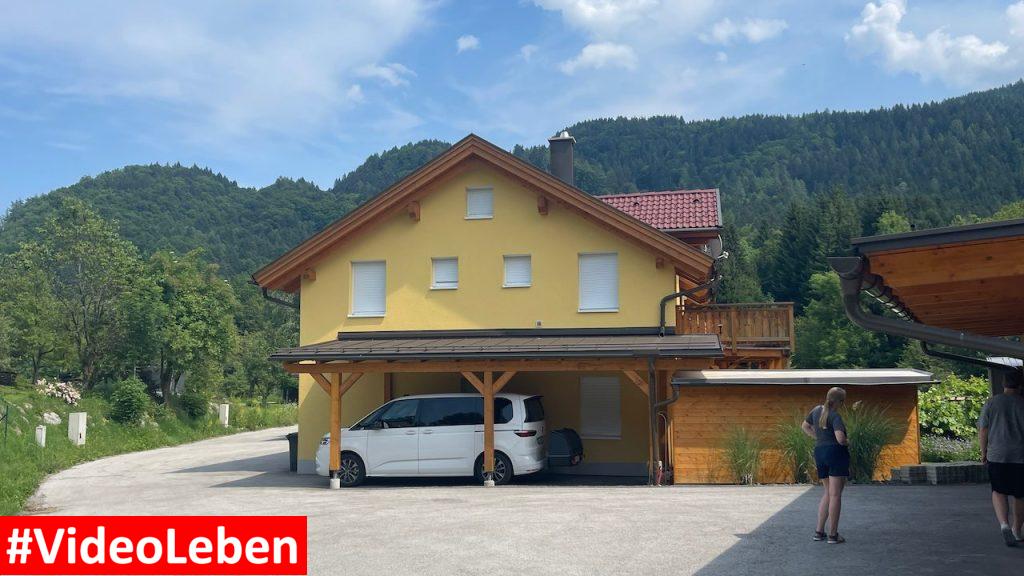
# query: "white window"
(600, 407)
(368, 288)
(446, 273)
(599, 283)
(518, 273)
(479, 203)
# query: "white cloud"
(1015, 13)
(226, 70)
(392, 74)
(467, 42)
(601, 55)
(527, 51)
(958, 60)
(754, 30)
(355, 94)
(637, 20)
(721, 57)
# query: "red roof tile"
(671, 209)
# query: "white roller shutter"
(518, 272)
(479, 203)
(446, 273)
(368, 288)
(599, 282)
(600, 407)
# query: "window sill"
(444, 287)
(516, 285)
(491, 217)
(364, 315)
(596, 310)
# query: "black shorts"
(1007, 478)
(832, 460)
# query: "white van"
(441, 435)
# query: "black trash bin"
(293, 451)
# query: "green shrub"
(869, 429)
(951, 407)
(797, 448)
(942, 449)
(194, 404)
(742, 455)
(254, 417)
(129, 401)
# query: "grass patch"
(23, 464)
(742, 453)
(869, 429)
(796, 448)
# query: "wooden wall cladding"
(703, 417)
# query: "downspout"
(652, 398)
(711, 285)
(655, 408)
(274, 299)
(855, 276)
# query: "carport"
(959, 286)
(488, 359)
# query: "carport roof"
(850, 377)
(505, 344)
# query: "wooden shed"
(713, 402)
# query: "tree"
(90, 272)
(194, 325)
(30, 312)
(892, 222)
(1010, 211)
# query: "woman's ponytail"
(834, 397)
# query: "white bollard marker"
(222, 412)
(335, 483)
(76, 428)
(41, 435)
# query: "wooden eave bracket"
(309, 274)
(542, 205)
(413, 208)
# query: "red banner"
(153, 545)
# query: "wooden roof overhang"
(506, 350)
(966, 278)
(285, 272)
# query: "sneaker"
(1008, 536)
(818, 536)
(836, 539)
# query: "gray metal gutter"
(940, 236)
(853, 273)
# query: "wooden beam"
(309, 274)
(350, 381)
(590, 365)
(335, 432)
(502, 380)
(474, 381)
(321, 380)
(414, 211)
(542, 205)
(488, 392)
(636, 379)
(659, 262)
(389, 386)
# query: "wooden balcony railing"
(739, 326)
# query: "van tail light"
(526, 433)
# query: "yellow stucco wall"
(554, 242)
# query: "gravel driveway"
(454, 527)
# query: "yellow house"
(480, 272)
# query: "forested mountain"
(928, 163)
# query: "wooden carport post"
(488, 388)
(335, 388)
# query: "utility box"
(76, 428)
(41, 435)
(222, 412)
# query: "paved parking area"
(540, 527)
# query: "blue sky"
(260, 89)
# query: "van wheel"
(502, 469)
(352, 471)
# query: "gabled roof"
(672, 210)
(284, 272)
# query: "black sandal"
(836, 539)
(818, 536)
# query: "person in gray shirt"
(1001, 436)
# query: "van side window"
(462, 411)
(534, 410)
(401, 414)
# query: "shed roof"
(495, 344)
(847, 377)
(672, 210)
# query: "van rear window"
(534, 409)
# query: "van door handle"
(428, 431)
(410, 432)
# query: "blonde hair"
(833, 399)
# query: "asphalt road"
(455, 527)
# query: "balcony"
(746, 330)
